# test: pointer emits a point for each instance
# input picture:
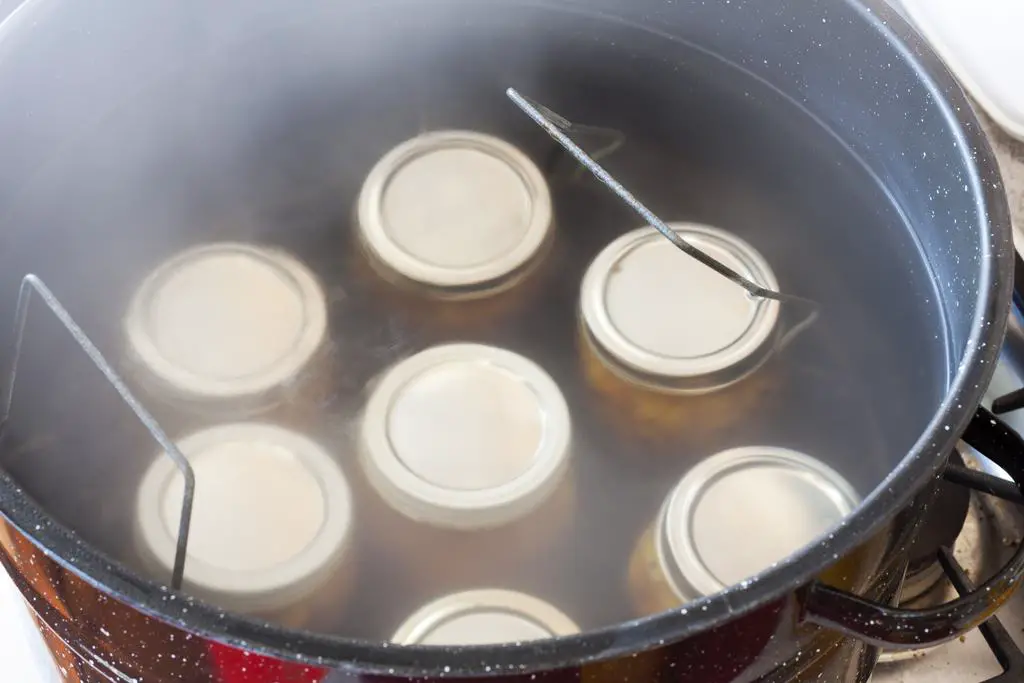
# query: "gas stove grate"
(1009, 656)
(1008, 403)
(983, 436)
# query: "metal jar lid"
(271, 519)
(465, 436)
(671, 322)
(741, 511)
(226, 321)
(455, 209)
(484, 617)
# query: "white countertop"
(24, 656)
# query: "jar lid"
(455, 209)
(484, 617)
(744, 510)
(465, 436)
(662, 315)
(271, 518)
(226, 321)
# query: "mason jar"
(453, 227)
(227, 331)
(483, 617)
(734, 515)
(467, 449)
(671, 348)
(271, 525)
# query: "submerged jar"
(230, 330)
(453, 226)
(484, 617)
(672, 348)
(467, 448)
(271, 525)
(734, 515)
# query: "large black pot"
(824, 131)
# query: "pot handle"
(898, 628)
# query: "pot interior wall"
(262, 129)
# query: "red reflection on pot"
(238, 666)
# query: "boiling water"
(269, 141)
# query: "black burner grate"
(1009, 656)
(985, 439)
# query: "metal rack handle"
(559, 127)
(31, 283)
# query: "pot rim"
(920, 465)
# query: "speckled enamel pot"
(737, 70)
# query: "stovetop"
(989, 536)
